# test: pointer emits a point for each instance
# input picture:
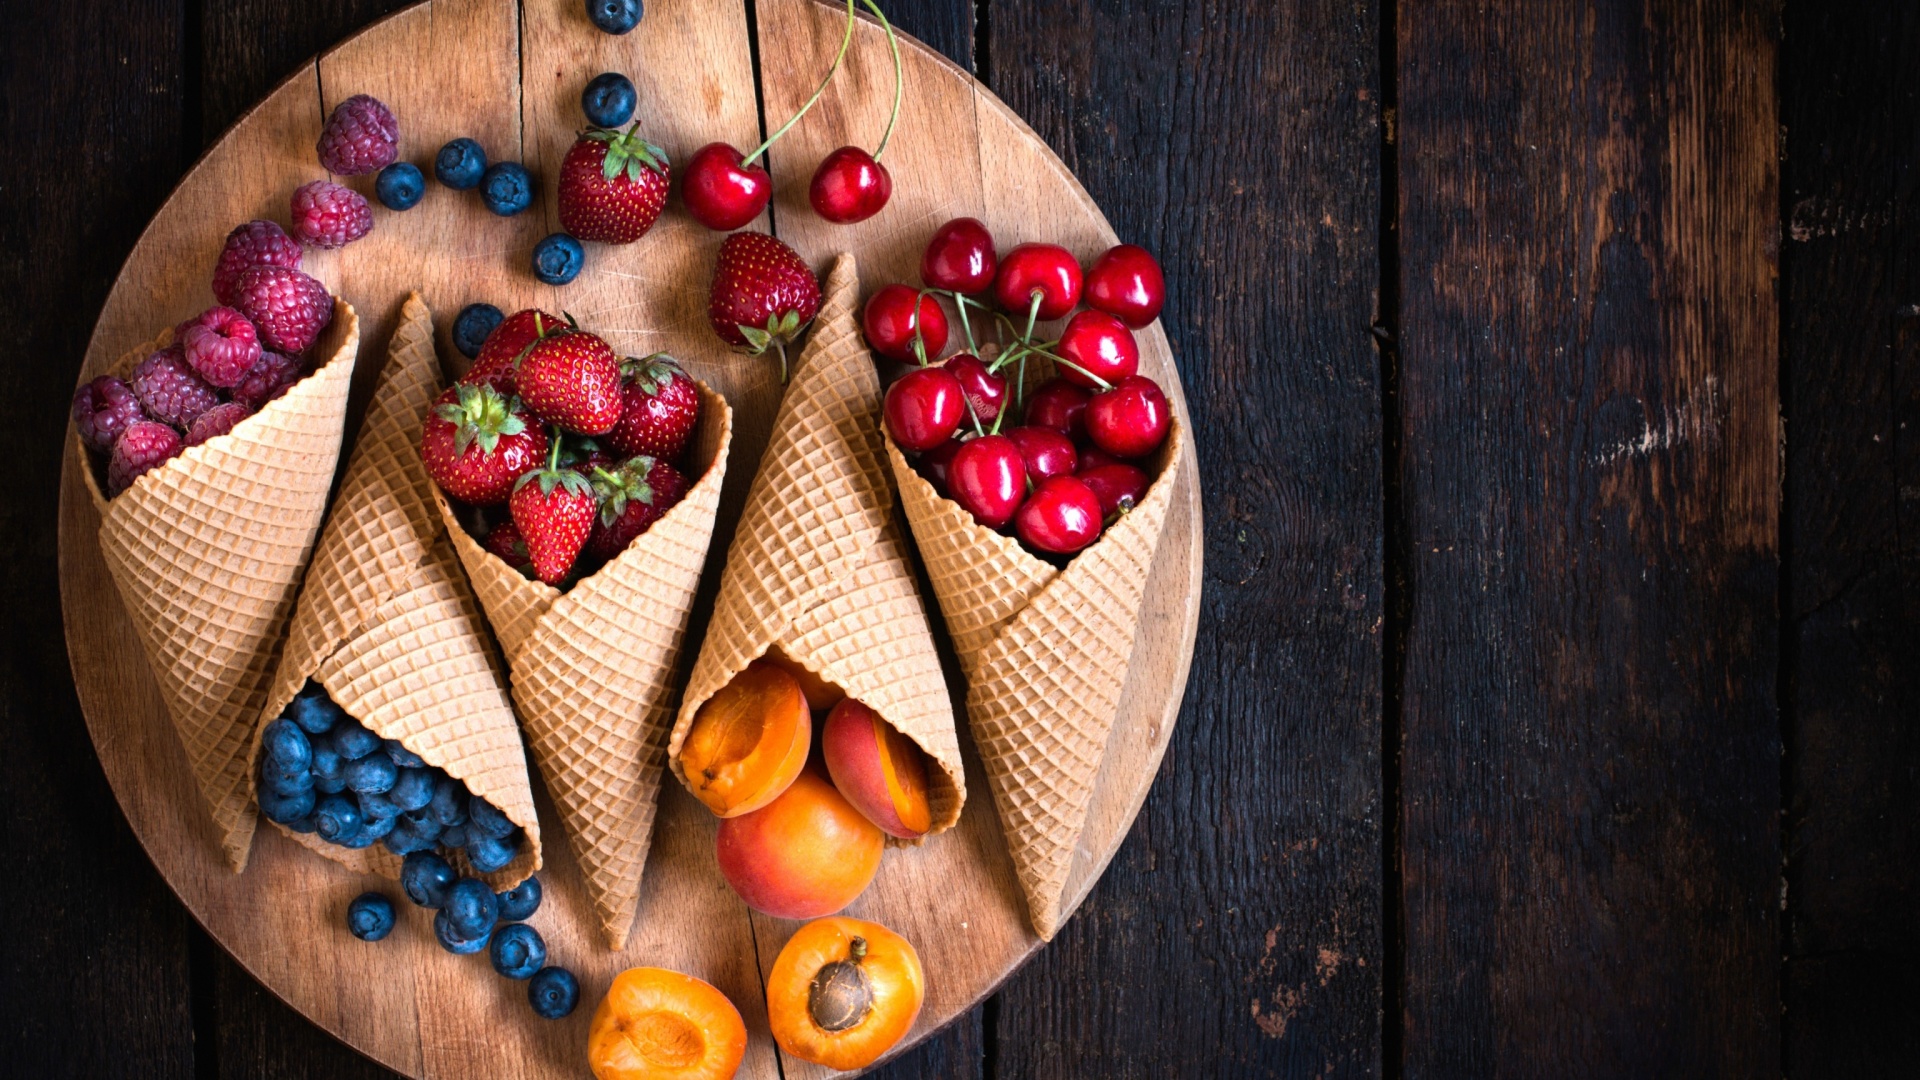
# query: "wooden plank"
(1853, 660)
(1239, 928)
(1588, 198)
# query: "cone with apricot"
(388, 626)
(207, 550)
(817, 578)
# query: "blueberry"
(286, 784)
(373, 774)
(449, 805)
(327, 762)
(557, 259)
(472, 326)
(400, 185)
(420, 824)
(376, 805)
(485, 820)
(608, 100)
(451, 940)
(283, 744)
(471, 908)
(520, 902)
(336, 818)
(286, 808)
(403, 839)
(313, 710)
(518, 951)
(413, 790)
(460, 164)
(402, 756)
(554, 992)
(507, 188)
(426, 877)
(615, 16)
(301, 825)
(371, 830)
(370, 916)
(454, 836)
(359, 838)
(331, 785)
(354, 742)
(488, 854)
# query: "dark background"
(1552, 366)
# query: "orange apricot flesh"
(807, 853)
(656, 1024)
(821, 695)
(880, 771)
(843, 991)
(748, 741)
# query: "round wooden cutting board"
(510, 75)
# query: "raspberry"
(221, 345)
(257, 243)
(102, 409)
(268, 380)
(286, 307)
(360, 137)
(144, 445)
(216, 421)
(169, 390)
(327, 215)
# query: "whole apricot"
(805, 854)
(821, 695)
(656, 1024)
(748, 741)
(880, 771)
(843, 991)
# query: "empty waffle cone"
(591, 671)
(389, 627)
(1045, 652)
(819, 566)
(207, 550)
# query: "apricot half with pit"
(843, 991)
(656, 1024)
(805, 854)
(748, 741)
(880, 771)
(821, 695)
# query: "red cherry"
(960, 257)
(722, 193)
(935, 463)
(1062, 516)
(1119, 487)
(889, 318)
(1130, 420)
(1060, 405)
(1046, 268)
(1126, 281)
(986, 391)
(849, 186)
(924, 408)
(1047, 452)
(1092, 457)
(1101, 346)
(988, 479)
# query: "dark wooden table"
(1552, 366)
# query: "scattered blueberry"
(354, 742)
(451, 940)
(518, 951)
(402, 756)
(484, 819)
(471, 908)
(472, 326)
(286, 809)
(426, 878)
(487, 853)
(336, 818)
(400, 185)
(615, 16)
(413, 790)
(460, 164)
(507, 188)
(608, 100)
(520, 902)
(370, 916)
(285, 746)
(373, 774)
(554, 992)
(557, 259)
(449, 805)
(313, 710)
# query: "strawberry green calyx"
(554, 475)
(482, 415)
(629, 153)
(654, 373)
(629, 483)
(780, 330)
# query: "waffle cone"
(1045, 652)
(387, 624)
(207, 551)
(819, 565)
(592, 671)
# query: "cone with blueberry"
(387, 728)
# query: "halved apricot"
(880, 771)
(656, 1024)
(748, 741)
(821, 695)
(843, 991)
(805, 854)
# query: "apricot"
(748, 741)
(880, 771)
(843, 992)
(805, 854)
(821, 695)
(656, 1024)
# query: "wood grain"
(1590, 788)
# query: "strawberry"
(612, 186)
(498, 357)
(659, 406)
(554, 509)
(763, 294)
(505, 541)
(632, 498)
(476, 442)
(572, 380)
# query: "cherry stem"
(1064, 362)
(919, 330)
(966, 325)
(899, 82)
(1033, 313)
(845, 41)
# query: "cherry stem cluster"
(846, 41)
(1015, 346)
